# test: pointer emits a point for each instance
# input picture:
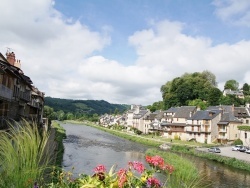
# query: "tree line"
(67, 109)
(199, 89)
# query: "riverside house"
(174, 127)
(202, 126)
(215, 124)
(19, 99)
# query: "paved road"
(227, 151)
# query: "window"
(247, 121)
(245, 135)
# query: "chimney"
(11, 58)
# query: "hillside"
(84, 106)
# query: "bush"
(238, 142)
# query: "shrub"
(238, 142)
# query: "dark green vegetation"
(199, 89)
(84, 106)
(65, 109)
(59, 136)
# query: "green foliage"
(238, 142)
(185, 173)
(232, 84)
(244, 128)
(246, 89)
(155, 106)
(231, 99)
(189, 87)
(176, 137)
(24, 156)
(84, 106)
(59, 136)
(198, 103)
(214, 97)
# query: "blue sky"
(123, 51)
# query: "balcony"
(222, 130)
(25, 95)
(5, 92)
(34, 104)
(198, 130)
(222, 137)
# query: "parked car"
(248, 151)
(236, 147)
(242, 149)
(214, 150)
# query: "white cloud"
(233, 11)
(176, 53)
(57, 54)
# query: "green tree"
(246, 89)
(198, 103)
(69, 116)
(231, 84)
(60, 115)
(231, 99)
(214, 96)
(155, 106)
(47, 111)
(188, 87)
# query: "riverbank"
(176, 146)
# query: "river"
(86, 147)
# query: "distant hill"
(84, 106)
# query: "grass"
(24, 156)
(185, 174)
(59, 136)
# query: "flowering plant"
(134, 175)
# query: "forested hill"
(84, 106)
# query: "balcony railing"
(222, 137)
(25, 95)
(197, 130)
(222, 130)
(5, 92)
(34, 104)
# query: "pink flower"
(138, 166)
(122, 178)
(100, 168)
(153, 183)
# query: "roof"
(228, 117)
(241, 112)
(172, 110)
(184, 111)
(205, 115)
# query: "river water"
(87, 147)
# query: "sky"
(123, 51)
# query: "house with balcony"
(18, 98)
(174, 127)
(228, 124)
(202, 126)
